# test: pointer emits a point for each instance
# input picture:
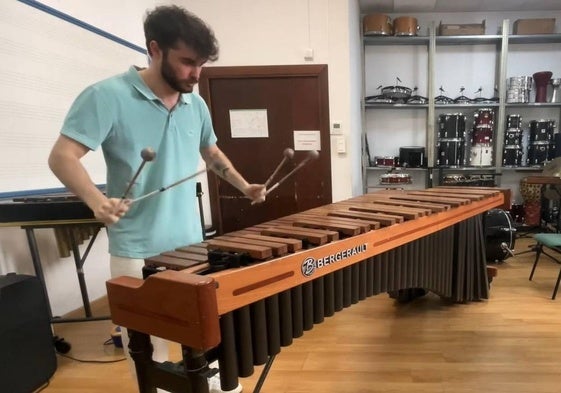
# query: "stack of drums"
(542, 145)
(451, 139)
(532, 195)
(512, 150)
(482, 138)
(518, 90)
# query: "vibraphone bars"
(296, 271)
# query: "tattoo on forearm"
(221, 168)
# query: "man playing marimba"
(152, 107)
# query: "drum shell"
(483, 134)
(498, 230)
(542, 130)
(512, 156)
(412, 156)
(481, 155)
(513, 122)
(451, 125)
(484, 118)
(451, 152)
(513, 137)
(539, 153)
(377, 24)
(395, 178)
(386, 161)
(405, 26)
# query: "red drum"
(451, 125)
(483, 134)
(484, 118)
(513, 137)
(541, 130)
(386, 161)
(395, 178)
(513, 122)
(512, 156)
(540, 152)
(451, 152)
(481, 154)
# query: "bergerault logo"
(310, 264)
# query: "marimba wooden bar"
(304, 267)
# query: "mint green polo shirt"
(123, 116)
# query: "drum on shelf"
(499, 235)
(405, 26)
(483, 117)
(412, 156)
(451, 125)
(481, 154)
(513, 122)
(454, 179)
(482, 135)
(539, 153)
(481, 180)
(386, 161)
(542, 130)
(451, 152)
(377, 24)
(513, 137)
(512, 156)
(395, 179)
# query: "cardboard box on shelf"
(461, 29)
(534, 26)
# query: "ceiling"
(396, 6)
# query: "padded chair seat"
(550, 240)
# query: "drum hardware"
(417, 99)
(555, 83)
(541, 80)
(378, 99)
(483, 100)
(377, 24)
(405, 26)
(442, 99)
(396, 92)
(462, 99)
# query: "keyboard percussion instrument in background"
(241, 296)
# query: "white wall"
(250, 32)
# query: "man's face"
(181, 68)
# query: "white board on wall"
(46, 63)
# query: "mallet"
(288, 153)
(312, 155)
(162, 189)
(147, 154)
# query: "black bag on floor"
(27, 352)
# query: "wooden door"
(295, 99)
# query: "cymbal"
(553, 168)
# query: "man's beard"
(169, 76)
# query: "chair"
(553, 242)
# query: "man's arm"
(64, 161)
(217, 161)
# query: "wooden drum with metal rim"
(377, 24)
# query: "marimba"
(298, 270)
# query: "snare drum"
(541, 130)
(483, 134)
(451, 125)
(513, 137)
(377, 24)
(513, 122)
(512, 156)
(539, 153)
(386, 161)
(454, 180)
(481, 154)
(451, 152)
(405, 26)
(483, 118)
(395, 178)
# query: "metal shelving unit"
(432, 41)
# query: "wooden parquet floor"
(508, 344)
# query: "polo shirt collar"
(137, 82)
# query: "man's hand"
(255, 192)
(110, 210)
